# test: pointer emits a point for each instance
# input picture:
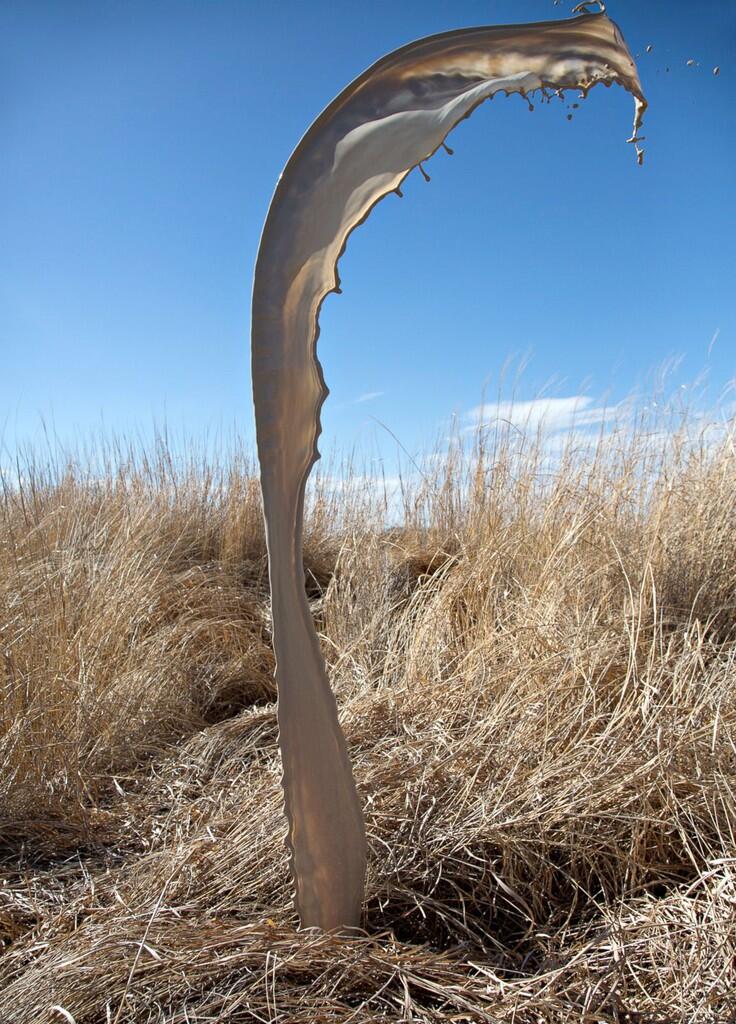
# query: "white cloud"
(382, 492)
(369, 396)
(713, 340)
(578, 441)
(356, 482)
(551, 414)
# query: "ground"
(534, 659)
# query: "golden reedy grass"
(534, 657)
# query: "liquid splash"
(389, 121)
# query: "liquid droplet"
(649, 48)
(716, 70)
(424, 173)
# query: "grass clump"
(533, 653)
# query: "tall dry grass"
(534, 656)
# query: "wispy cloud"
(358, 482)
(382, 492)
(369, 396)
(713, 340)
(551, 414)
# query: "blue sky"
(141, 143)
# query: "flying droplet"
(691, 63)
(649, 48)
(569, 117)
(716, 70)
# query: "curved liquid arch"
(382, 126)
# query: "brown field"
(536, 674)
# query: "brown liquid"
(359, 150)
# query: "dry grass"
(536, 676)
